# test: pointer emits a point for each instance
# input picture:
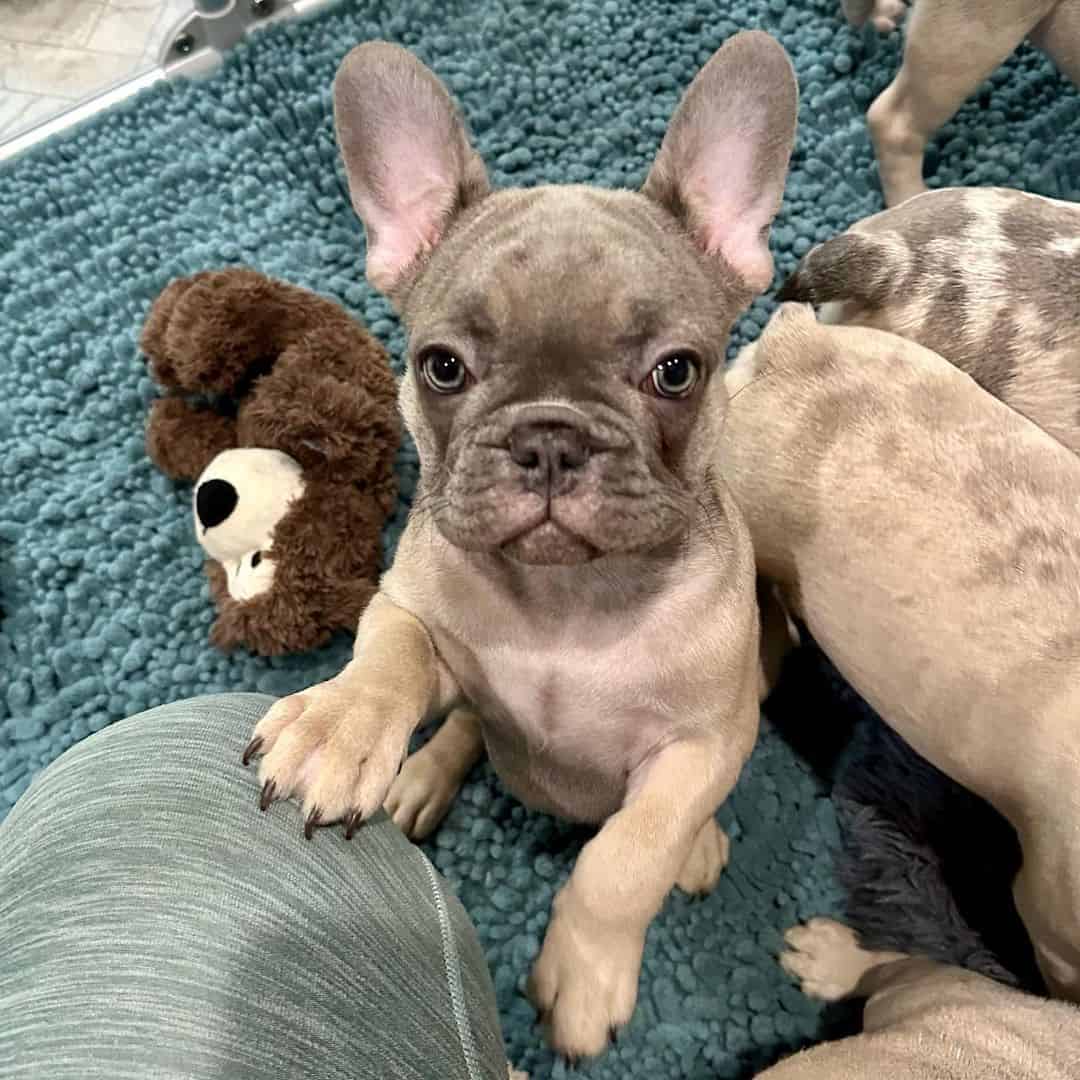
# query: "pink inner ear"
(742, 243)
(732, 214)
(403, 232)
(406, 214)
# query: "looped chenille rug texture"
(104, 607)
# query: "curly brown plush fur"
(248, 361)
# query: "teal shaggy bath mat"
(103, 607)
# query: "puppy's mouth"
(546, 542)
(544, 488)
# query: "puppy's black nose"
(550, 453)
(214, 502)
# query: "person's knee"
(172, 751)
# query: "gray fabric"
(154, 924)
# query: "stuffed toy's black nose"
(214, 502)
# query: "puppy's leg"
(1049, 904)
(339, 745)
(949, 49)
(1058, 35)
(431, 778)
(585, 980)
(884, 15)
(779, 636)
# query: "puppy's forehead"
(554, 261)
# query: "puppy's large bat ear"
(407, 156)
(723, 162)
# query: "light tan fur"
(950, 47)
(923, 1020)
(928, 536)
(574, 583)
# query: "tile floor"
(58, 53)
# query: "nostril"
(573, 457)
(527, 459)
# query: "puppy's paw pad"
(706, 861)
(826, 959)
(421, 796)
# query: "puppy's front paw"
(706, 860)
(422, 794)
(335, 748)
(826, 958)
(584, 982)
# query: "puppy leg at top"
(431, 778)
(884, 15)
(950, 47)
(1058, 35)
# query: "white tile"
(39, 110)
(20, 112)
(49, 22)
(59, 72)
(123, 30)
(12, 106)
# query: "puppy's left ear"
(723, 162)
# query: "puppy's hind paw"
(706, 861)
(826, 958)
(421, 795)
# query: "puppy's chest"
(567, 722)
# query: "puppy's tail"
(850, 267)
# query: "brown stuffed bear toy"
(282, 410)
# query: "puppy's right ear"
(411, 169)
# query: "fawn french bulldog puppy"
(950, 47)
(574, 567)
(923, 1019)
(984, 276)
(929, 538)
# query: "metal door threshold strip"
(193, 49)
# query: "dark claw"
(613, 1034)
(352, 823)
(252, 749)
(267, 796)
(314, 819)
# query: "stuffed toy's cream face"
(239, 500)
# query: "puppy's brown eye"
(675, 376)
(443, 371)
